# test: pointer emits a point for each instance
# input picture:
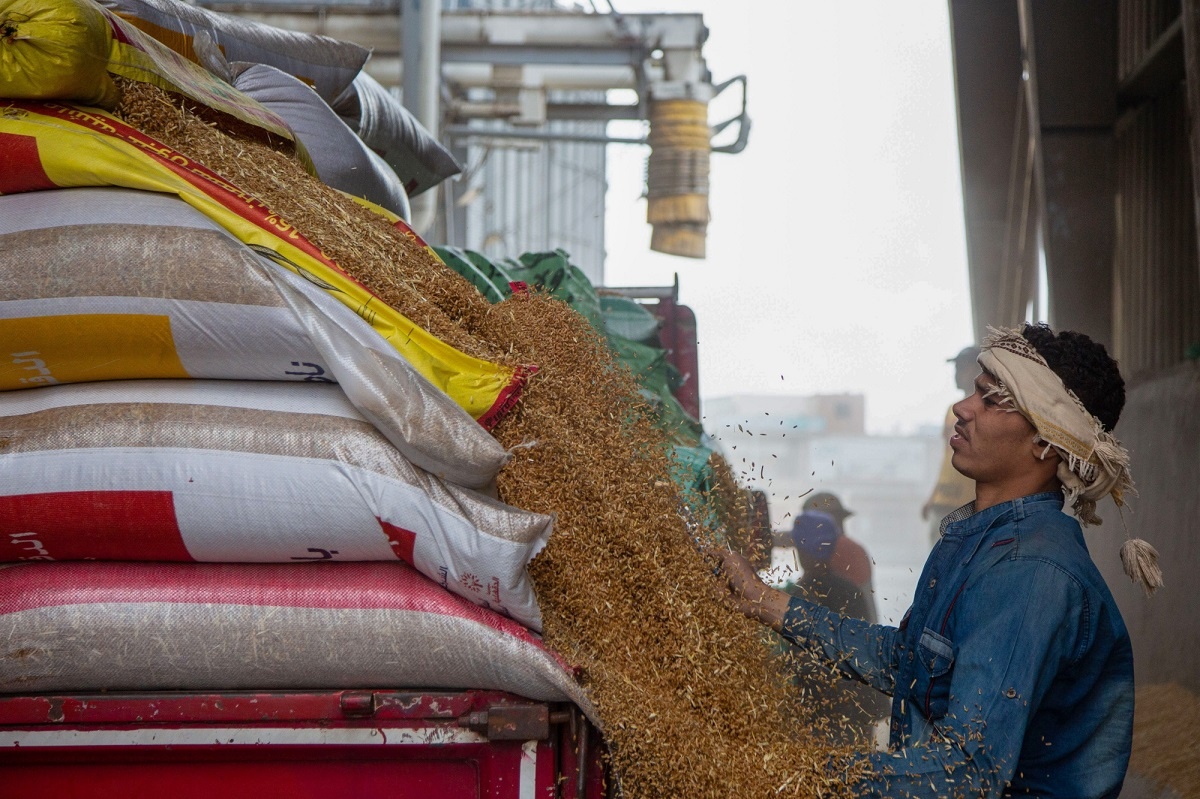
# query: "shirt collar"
(966, 522)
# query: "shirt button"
(910, 657)
(933, 582)
(1011, 693)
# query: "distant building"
(816, 413)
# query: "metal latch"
(357, 703)
(510, 722)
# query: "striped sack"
(116, 284)
(225, 471)
(165, 626)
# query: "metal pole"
(421, 49)
(458, 132)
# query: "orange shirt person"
(849, 559)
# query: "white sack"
(100, 284)
(165, 626)
(223, 471)
(328, 65)
(392, 131)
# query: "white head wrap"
(1093, 463)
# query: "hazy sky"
(836, 259)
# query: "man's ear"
(1045, 451)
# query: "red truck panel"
(479, 744)
(678, 338)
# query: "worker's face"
(991, 442)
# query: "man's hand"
(750, 595)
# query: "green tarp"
(630, 329)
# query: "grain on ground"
(1166, 737)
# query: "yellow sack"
(55, 50)
(138, 56)
(66, 50)
(52, 145)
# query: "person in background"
(953, 489)
(853, 709)
(815, 535)
(759, 521)
(849, 559)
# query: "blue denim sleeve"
(861, 651)
(1013, 629)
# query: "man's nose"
(961, 409)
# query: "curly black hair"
(1085, 368)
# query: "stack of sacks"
(399, 157)
(56, 145)
(292, 433)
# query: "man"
(848, 560)
(953, 489)
(1012, 672)
(815, 536)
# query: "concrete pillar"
(1070, 55)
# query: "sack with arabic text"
(225, 471)
(116, 284)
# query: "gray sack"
(342, 160)
(392, 131)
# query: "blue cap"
(814, 534)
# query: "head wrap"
(1093, 463)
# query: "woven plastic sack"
(224, 471)
(55, 49)
(340, 157)
(388, 128)
(328, 65)
(160, 626)
(49, 145)
(138, 56)
(65, 49)
(114, 284)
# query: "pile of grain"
(692, 700)
(1166, 737)
(689, 693)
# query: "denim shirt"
(1012, 672)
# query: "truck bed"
(368, 743)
